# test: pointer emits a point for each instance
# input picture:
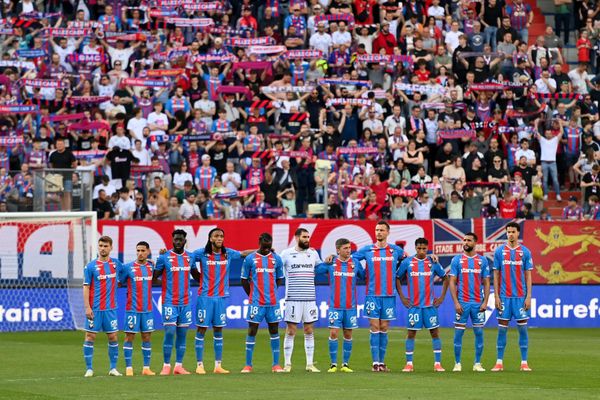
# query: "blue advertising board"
(568, 306)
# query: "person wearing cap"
(384, 39)
(572, 212)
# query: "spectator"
(189, 210)
(125, 206)
(572, 211)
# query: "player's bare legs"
(309, 347)
(437, 349)
(288, 345)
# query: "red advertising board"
(563, 252)
(243, 234)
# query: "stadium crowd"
(222, 109)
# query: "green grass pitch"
(50, 366)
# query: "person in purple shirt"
(572, 211)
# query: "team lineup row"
(384, 267)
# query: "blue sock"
(199, 347)
(333, 350)
(180, 344)
(501, 344)
(250, 342)
(437, 349)
(88, 353)
(410, 350)
(374, 342)
(383, 342)
(146, 353)
(128, 353)
(347, 350)
(168, 343)
(458, 339)
(478, 331)
(275, 348)
(523, 341)
(113, 354)
(218, 345)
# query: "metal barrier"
(62, 190)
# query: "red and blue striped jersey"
(420, 276)
(175, 277)
(470, 273)
(138, 278)
(212, 83)
(263, 272)
(342, 281)
(573, 136)
(205, 177)
(512, 264)
(101, 277)
(382, 264)
(214, 272)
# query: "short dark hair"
(179, 232)
(265, 237)
(473, 235)
(105, 239)
(382, 222)
(513, 225)
(300, 231)
(142, 243)
(341, 242)
(421, 240)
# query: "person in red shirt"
(422, 73)
(379, 188)
(385, 40)
(247, 20)
(364, 11)
(507, 207)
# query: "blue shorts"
(257, 313)
(345, 319)
(210, 311)
(139, 322)
(471, 310)
(419, 317)
(177, 315)
(513, 307)
(380, 307)
(104, 321)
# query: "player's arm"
(399, 274)
(246, 265)
(439, 271)
(86, 293)
(528, 281)
(246, 253)
(158, 270)
(452, 283)
(486, 285)
(322, 268)
(497, 266)
(279, 271)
